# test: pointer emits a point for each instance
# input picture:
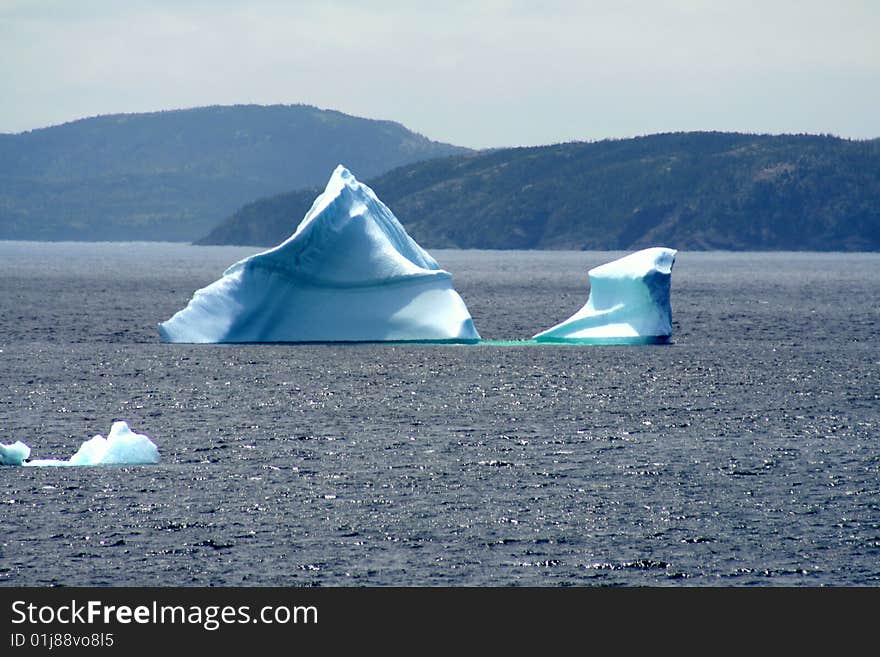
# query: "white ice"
(628, 303)
(349, 273)
(121, 447)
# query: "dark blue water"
(745, 453)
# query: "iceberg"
(14, 454)
(349, 273)
(628, 303)
(121, 447)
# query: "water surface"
(744, 453)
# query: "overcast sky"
(491, 73)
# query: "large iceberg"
(628, 303)
(121, 447)
(350, 273)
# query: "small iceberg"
(14, 454)
(121, 447)
(349, 273)
(628, 303)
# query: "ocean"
(744, 453)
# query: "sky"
(482, 74)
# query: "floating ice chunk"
(121, 447)
(628, 303)
(14, 454)
(349, 273)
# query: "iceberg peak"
(348, 273)
(348, 237)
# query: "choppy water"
(745, 453)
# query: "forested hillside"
(699, 190)
(174, 175)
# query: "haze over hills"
(174, 175)
(697, 190)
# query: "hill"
(174, 175)
(698, 190)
